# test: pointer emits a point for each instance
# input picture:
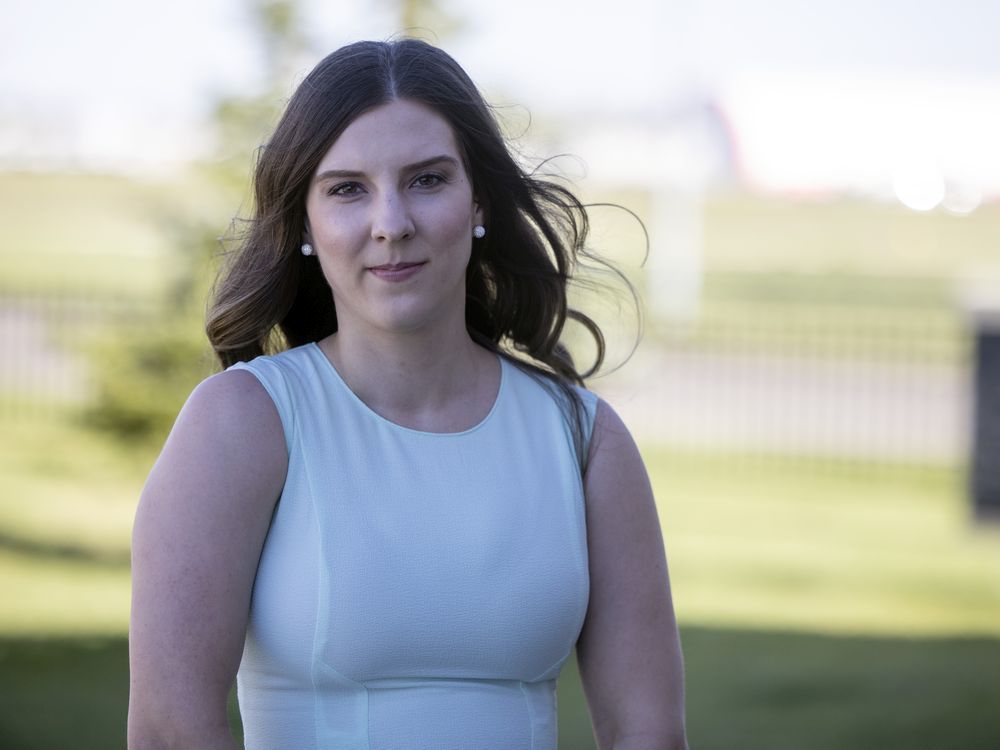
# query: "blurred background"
(815, 390)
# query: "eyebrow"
(331, 174)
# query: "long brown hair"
(269, 296)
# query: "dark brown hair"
(270, 296)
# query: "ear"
(477, 216)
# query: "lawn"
(747, 689)
(807, 545)
(100, 234)
(820, 608)
(847, 236)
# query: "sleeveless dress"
(416, 590)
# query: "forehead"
(396, 133)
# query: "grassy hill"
(96, 232)
(79, 232)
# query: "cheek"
(453, 223)
(337, 236)
(337, 255)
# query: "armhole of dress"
(272, 382)
(589, 401)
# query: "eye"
(429, 180)
(345, 189)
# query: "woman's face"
(390, 215)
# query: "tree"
(144, 369)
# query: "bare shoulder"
(231, 418)
(227, 443)
(235, 398)
(615, 470)
(608, 427)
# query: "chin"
(416, 319)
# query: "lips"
(396, 271)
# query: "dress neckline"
(341, 383)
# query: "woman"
(393, 532)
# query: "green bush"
(143, 374)
(144, 367)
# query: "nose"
(391, 220)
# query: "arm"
(198, 533)
(629, 649)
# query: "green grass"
(101, 234)
(820, 607)
(845, 235)
(747, 689)
(66, 503)
(63, 693)
(793, 545)
(774, 545)
(747, 238)
(777, 690)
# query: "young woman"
(396, 513)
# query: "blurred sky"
(820, 94)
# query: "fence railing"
(848, 383)
(45, 359)
(854, 384)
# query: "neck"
(436, 381)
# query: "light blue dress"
(416, 591)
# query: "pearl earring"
(479, 231)
(307, 249)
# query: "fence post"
(984, 479)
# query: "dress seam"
(531, 713)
